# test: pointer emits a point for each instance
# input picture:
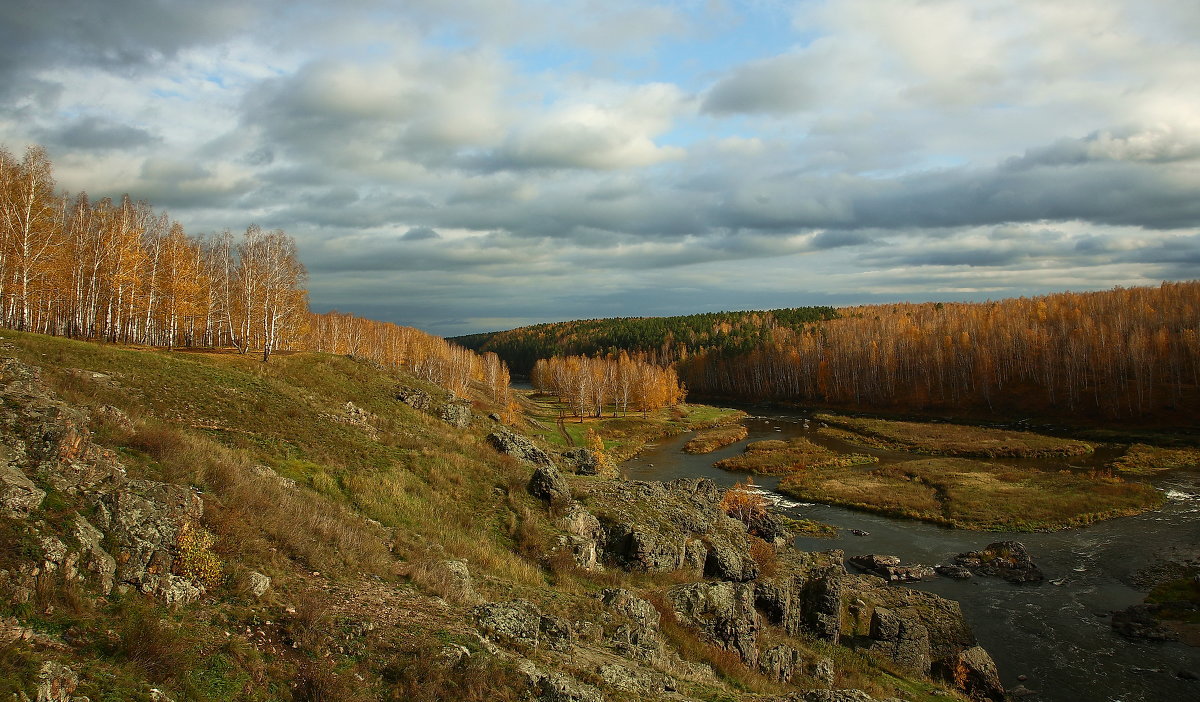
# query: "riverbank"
(622, 435)
(1040, 632)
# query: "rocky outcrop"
(124, 532)
(1004, 559)
(583, 536)
(143, 520)
(18, 495)
(889, 568)
(805, 596)
(549, 484)
(675, 526)
(452, 410)
(901, 637)
(581, 461)
(513, 444)
(456, 413)
(520, 625)
(416, 398)
(724, 612)
(635, 632)
(557, 687)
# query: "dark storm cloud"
(420, 234)
(117, 34)
(776, 85)
(93, 134)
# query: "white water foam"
(776, 500)
(1180, 495)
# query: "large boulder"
(1004, 559)
(143, 520)
(456, 412)
(549, 484)
(901, 637)
(724, 612)
(513, 444)
(582, 461)
(974, 672)
(519, 624)
(18, 494)
(635, 634)
(889, 568)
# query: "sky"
(472, 165)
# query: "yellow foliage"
(195, 559)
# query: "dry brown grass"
(976, 495)
(710, 440)
(954, 439)
(774, 457)
(1142, 459)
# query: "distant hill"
(663, 339)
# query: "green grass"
(975, 495)
(952, 439)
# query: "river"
(1058, 636)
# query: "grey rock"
(513, 444)
(18, 494)
(584, 536)
(638, 636)
(269, 473)
(835, 696)
(1004, 559)
(805, 597)
(459, 574)
(724, 612)
(556, 687)
(889, 568)
(582, 461)
(56, 682)
(143, 520)
(635, 680)
(457, 413)
(515, 623)
(415, 398)
(556, 633)
(955, 572)
(976, 674)
(901, 638)
(549, 484)
(728, 562)
(258, 583)
(780, 662)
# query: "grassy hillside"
(363, 602)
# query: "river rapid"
(1056, 635)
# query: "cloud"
(93, 133)
(777, 85)
(420, 234)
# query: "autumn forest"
(124, 273)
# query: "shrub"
(195, 559)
